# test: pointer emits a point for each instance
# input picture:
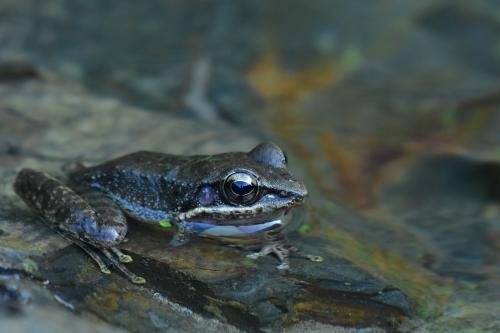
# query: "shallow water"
(387, 111)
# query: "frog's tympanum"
(239, 198)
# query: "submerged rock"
(203, 285)
(389, 111)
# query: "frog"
(238, 198)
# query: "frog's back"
(143, 183)
(143, 162)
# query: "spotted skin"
(193, 192)
(89, 219)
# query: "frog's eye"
(240, 188)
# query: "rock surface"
(387, 110)
(49, 122)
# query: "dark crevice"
(175, 285)
(17, 72)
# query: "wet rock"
(32, 308)
(17, 71)
(11, 299)
(389, 112)
(211, 283)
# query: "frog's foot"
(276, 243)
(296, 253)
(92, 254)
(131, 276)
(262, 253)
(125, 258)
(281, 251)
(117, 263)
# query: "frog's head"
(243, 188)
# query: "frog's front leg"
(88, 219)
(275, 242)
(182, 234)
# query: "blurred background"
(388, 110)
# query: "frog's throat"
(232, 233)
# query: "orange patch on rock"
(272, 81)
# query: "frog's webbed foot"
(296, 253)
(94, 255)
(131, 276)
(276, 243)
(117, 263)
(125, 258)
(122, 258)
(280, 250)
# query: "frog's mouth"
(270, 207)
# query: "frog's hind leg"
(107, 210)
(59, 206)
(110, 225)
(88, 219)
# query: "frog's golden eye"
(240, 188)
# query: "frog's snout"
(303, 191)
(295, 198)
(298, 192)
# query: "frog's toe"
(103, 267)
(314, 258)
(105, 270)
(125, 258)
(262, 253)
(131, 276)
(138, 280)
(296, 253)
(284, 266)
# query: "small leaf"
(29, 266)
(304, 228)
(165, 224)
(248, 262)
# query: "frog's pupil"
(242, 188)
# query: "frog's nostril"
(296, 193)
(300, 192)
